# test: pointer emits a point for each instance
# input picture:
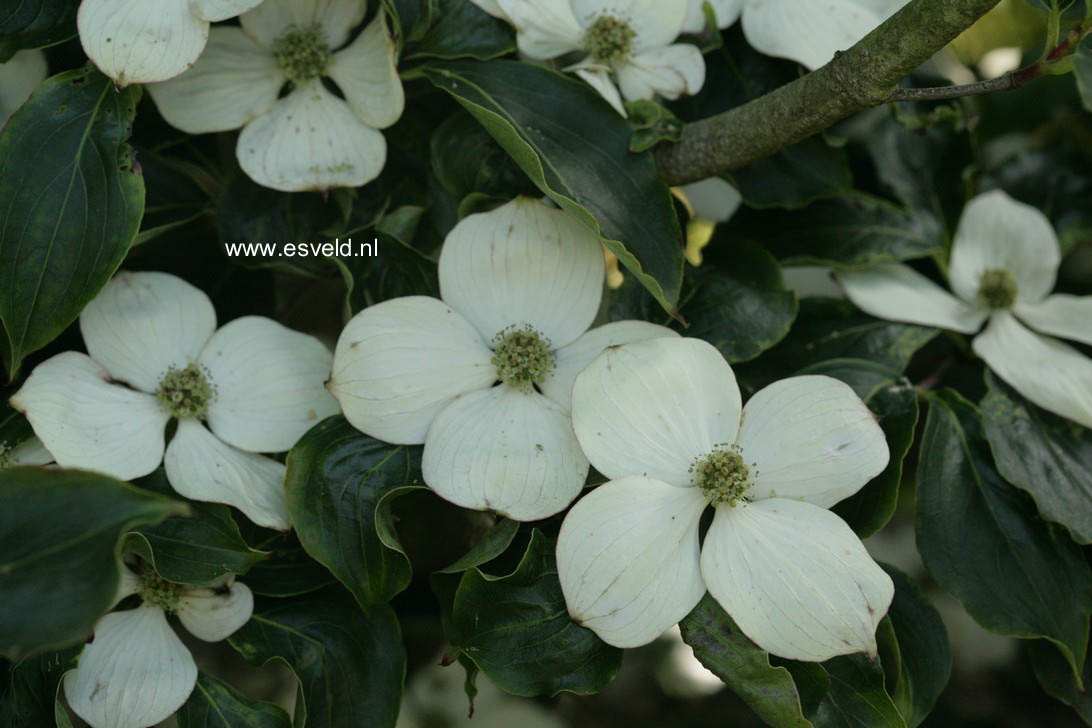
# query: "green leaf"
(59, 552)
(743, 666)
(575, 147)
(30, 695)
(1082, 70)
(1048, 456)
(894, 401)
(336, 478)
(846, 232)
(925, 662)
(652, 124)
(73, 204)
(517, 630)
(194, 549)
(35, 24)
(857, 698)
(215, 704)
(350, 664)
(460, 29)
(494, 543)
(831, 329)
(397, 269)
(466, 159)
(740, 304)
(1056, 677)
(288, 571)
(982, 542)
(409, 18)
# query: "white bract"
(713, 199)
(155, 353)
(630, 42)
(135, 672)
(483, 378)
(28, 452)
(140, 41)
(662, 419)
(22, 73)
(1003, 263)
(309, 138)
(806, 31)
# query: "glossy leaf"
(1048, 456)
(35, 24)
(981, 540)
(336, 477)
(350, 664)
(73, 204)
(288, 571)
(30, 694)
(925, 658)
(857, 696)
(460, 29)
(743, 666)
(60, 533)
(517, 630)
(1056, 677)
(739, 303)
(576, 149)
(215, 704)
(894, 401)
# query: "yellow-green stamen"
(609, 39)
(723, 476)
(522, 357)
(997, 288)
(303, 54)
(185, 392)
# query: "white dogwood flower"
(140, 41)
(630, 42)
(309, 138)
(483, 378)
(662, 419)
(19, 76)
(155, 354)
(1004, 261)
(806, 31)
(135, 672)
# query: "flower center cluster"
(609, 39)
(159, 592)
(185, 392)
(723, 476)
(303, 54)
(522, 356)
(997, 288)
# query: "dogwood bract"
(28, 452)
(806, 31)
(135, 672)
(140, 41)
(1003, 264)
(19, 76)
(309, 138)
(155, 354)
(662, 419)
(483, 378)
(629, 41)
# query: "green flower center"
(723, 476)
(609, 39)
(522, 357)
(159, 592)
(185, 392)
(997, 288)
(303, 54)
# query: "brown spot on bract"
(311, 414)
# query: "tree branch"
(864, 76)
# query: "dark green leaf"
(981, 541)
(652, 124)
(72, 204)
(1048, 456)
(288, 571)
(492, 544)
(1056, 677)
(1082, 69)
(466, 159)
(460, 29)
(336, 477)
(925, 662)
(35, 24)
(350, 664)
(215, 704)
(517, 629)
(831, 329)
(575, 147)
(34, 684)
(853, 232)
(194, 549)
(740, 304)
(726, 652)
(894, 401)
(857, 698)
(409, 18)
(59, 552)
